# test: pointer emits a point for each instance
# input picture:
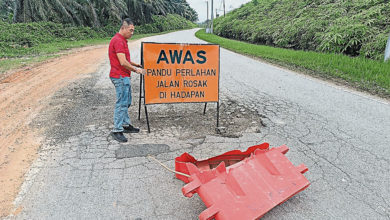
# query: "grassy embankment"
(365, 74)
(354, 28)
(26, 43)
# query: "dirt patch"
(23, 95)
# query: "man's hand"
(139, 68)
(130, 66)
(141, 71)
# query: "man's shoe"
(130, 129)
(119, 136)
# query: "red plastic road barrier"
(229, 158)
(247, 189)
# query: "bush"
(21, 38)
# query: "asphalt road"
(341, 135)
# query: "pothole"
(186, 120)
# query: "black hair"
(126, 21)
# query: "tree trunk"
(96, 22)
(17, 11)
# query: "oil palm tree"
(96, 13)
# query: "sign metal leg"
(217, 114)
(140, 98)
(146, 108)
(147, 118)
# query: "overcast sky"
(200, 6)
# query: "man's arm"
(126, 64)
(136, 65)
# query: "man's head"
(127, 28)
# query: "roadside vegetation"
(354, 28)
(25, 43)
(32, 31)
(43, 37)
(55, 49)
(359, 72)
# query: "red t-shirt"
(118, 44)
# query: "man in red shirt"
(120, 73)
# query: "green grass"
(366, 74)
(46, 51)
